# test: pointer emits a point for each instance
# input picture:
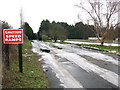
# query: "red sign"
(13, 36)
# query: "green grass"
(110, 48)
(32, 76)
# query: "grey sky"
(34, 11)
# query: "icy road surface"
(71, 66)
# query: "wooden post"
(1, 55)
(7, 56)
(20, 58)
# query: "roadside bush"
(62, 38)
(44, 37)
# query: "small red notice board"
(13, 36)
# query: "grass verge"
(32, 76)
(108, 48)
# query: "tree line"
(62, 31)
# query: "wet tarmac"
(54, 82)
(106, 65)
(88, 79)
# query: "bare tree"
(21, 18)
(102, 13)
(56, 32)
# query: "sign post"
(14, 36)
(7, 56)
(20, 58)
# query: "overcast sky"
(35, 11)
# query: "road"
(71, 66)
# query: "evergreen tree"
(43, 29)
(28, 31)
(77, 31)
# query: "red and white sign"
(13, 36)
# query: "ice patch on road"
(75, 57)
(61, 73)
(65, 77)
(89, 67)
(95, 55)
(98, 56)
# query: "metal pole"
(20, 45)
(7, 56)
(20, 58)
